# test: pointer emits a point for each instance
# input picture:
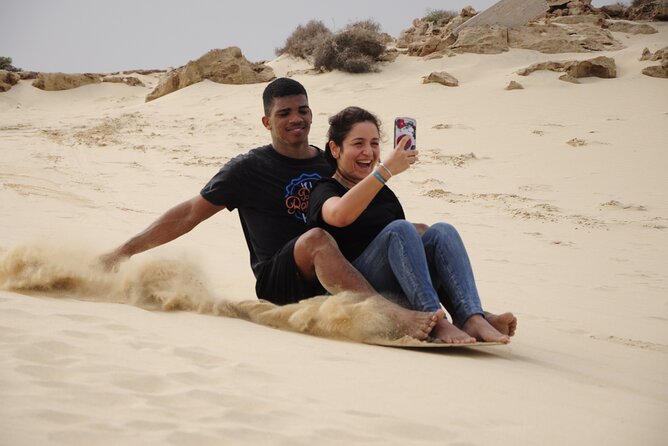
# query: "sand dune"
(559, 191)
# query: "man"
(270, 187)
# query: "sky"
(114, 35)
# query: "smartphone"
(405, 128)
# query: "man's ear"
(266, 122)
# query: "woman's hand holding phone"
(400, 158)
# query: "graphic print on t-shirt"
(297, 194)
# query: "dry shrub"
(439, 16)
(356, 49)
(305, 39)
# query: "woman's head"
(353, 144)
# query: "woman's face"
(360, 152)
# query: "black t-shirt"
(354, 238)
(271, 192)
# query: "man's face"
(289, 120)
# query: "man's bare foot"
(478, 327)
(505, 323)
(450, 334)
(417, 324)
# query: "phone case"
(405, 127)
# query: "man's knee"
(314, 240)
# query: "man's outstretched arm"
(171, 225)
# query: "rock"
(225, 66)
(64, 81)
(482, 40)
(429, 46)
(507, 13)
(8, 79)
(513, 85)
(601, 66)
(617, 10)
(656, 71)
(441, 77)
(631, 28)
(648, 55)
(129, 80)
(569, 78)
(656, 10)
(659, 70)
(579, 19)
(552, 38)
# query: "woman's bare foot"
(478, 327)
(505, 323)
(450, 334)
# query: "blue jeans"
(422, 272)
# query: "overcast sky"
(115, 35)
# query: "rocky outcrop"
(630, 27)
(656, 10)
(128, 80)
(482, 40)
(601, 66)
(554, 38)
(64, 81)
(570, 26)
(225, 66)
(441, 77)
(8, 79)
(560, 8)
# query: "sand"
(559, 191)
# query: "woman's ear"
(334, 149)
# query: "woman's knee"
(402, 227)
(443, 231)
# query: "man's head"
(281, 88)
(287, 116)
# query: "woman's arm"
(342, 211)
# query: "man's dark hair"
(340, 125)
(281, 88)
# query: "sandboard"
(407, 342)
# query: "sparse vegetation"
(305, 39)
(440, 16)
(355, 49)
(6, 64)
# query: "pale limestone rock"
(441, 77)
(64, 81)
(225, 66)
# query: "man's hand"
(111, 261)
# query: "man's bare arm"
(171, 225)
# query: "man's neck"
(302, 151)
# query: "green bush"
(6, 63)
(305, 39)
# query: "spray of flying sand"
(168, 285)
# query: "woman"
(419, 266)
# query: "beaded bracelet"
(379, 177)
